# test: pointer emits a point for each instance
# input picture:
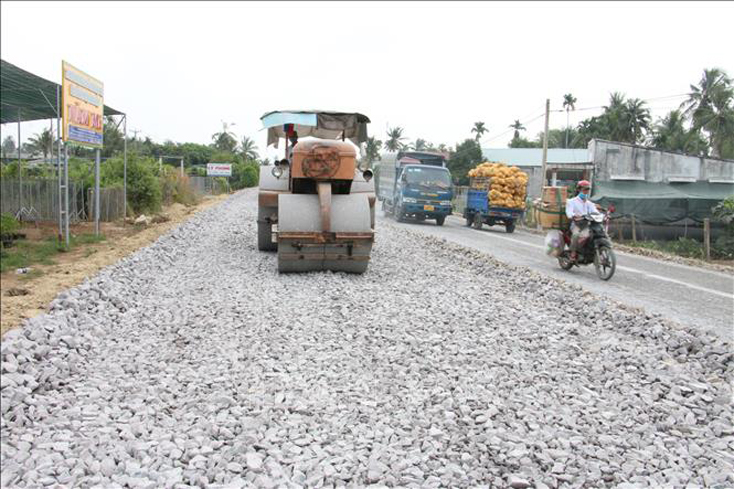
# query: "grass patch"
(685, 247)
(26, 253)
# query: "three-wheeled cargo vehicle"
(479, 209)
(316, 206)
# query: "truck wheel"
(510, 227)
(477, 221)
(440, 220)
(399, 214)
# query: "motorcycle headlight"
(409, 200)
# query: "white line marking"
(634, 270)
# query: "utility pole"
(545, 146)
(545, 151)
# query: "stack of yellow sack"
(508, 184)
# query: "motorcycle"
(596, 249)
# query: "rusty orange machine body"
(316, 207)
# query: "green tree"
(479, 128)
(248, 149)
(466, 156)
(372, 150)
(421, 144)
(521, 142)
(636, 121)
(8, 146)
(517, 126)
(569, 103)
(225, 139)
(394, 139)
(709, 106)
(670, 134)
(42, 142)
(114, 139)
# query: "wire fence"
(209, 185)
(38, 199)
(111, 203)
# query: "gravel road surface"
(192, 363)
(688, 295)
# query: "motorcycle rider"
(576, 208)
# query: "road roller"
(316, 206)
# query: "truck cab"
(416, 184)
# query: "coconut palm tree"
(569, 103)
(709, 106)
(480, 129)
(670, 134)
(421, 144)
(637, 120)
(225, 139)
(394, 139)
(43, 142)
(372, 150)
(248, 149)
(517, 126)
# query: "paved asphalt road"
(684, 294)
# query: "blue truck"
(479, 210)
(415, 184)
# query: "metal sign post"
(19, 215)
(58, 160)
(124, 171)
(97, 154)
(66, 194)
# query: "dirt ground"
(45, 282)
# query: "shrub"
(176, 188)
(143, 187)
(8, 224)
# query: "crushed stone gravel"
(193, 363)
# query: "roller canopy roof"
(28, 97)
(316, 123)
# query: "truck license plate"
(427, 207)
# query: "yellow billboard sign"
(83, 107)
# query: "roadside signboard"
(218, 170)
(83, 110)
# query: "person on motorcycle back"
(576, 209)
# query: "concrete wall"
(613, 161)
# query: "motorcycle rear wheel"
(564, 260)
(605, 262)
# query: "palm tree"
(372, 150)
(43, 142)
(569, 103)
(670, 134)
(421, 145)
(480, 129)
(225, 140)
(517, 126)
(248, 149)
(394, 139)
(442, 148)
(637, 119)
(709, 106)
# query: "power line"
(512, 129)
